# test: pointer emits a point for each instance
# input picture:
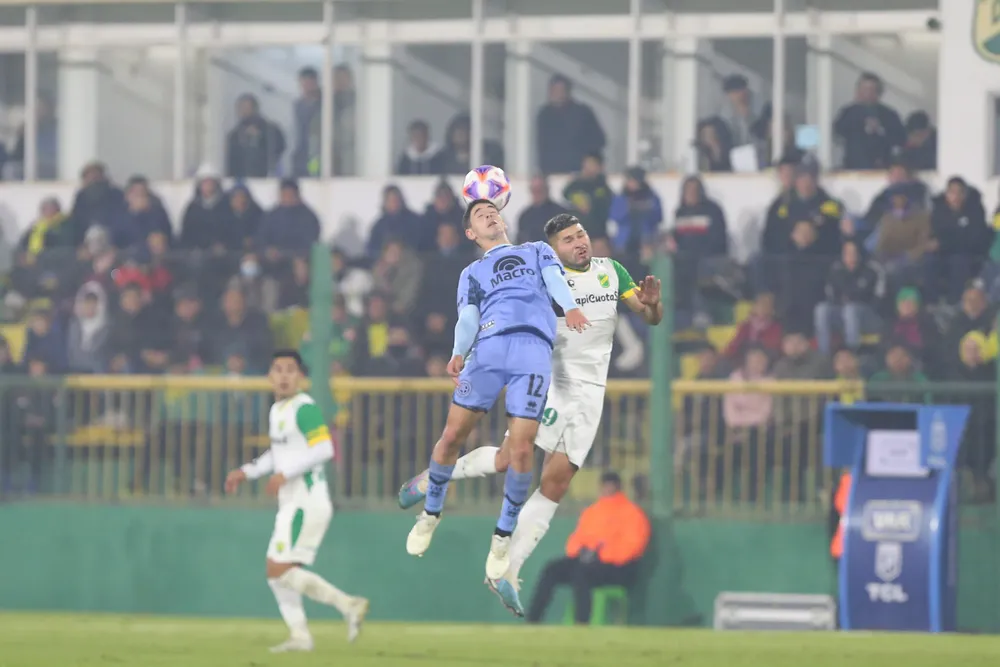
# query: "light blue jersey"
(507, 287)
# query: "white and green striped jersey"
(585, 357)
(294, 425)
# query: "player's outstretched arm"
(643, 299)
(260, 466)
(558, 289)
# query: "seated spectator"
(531, 222)
(289, 228)
(421, 157)
(914, 328)
(749, 409)
(97, 202)
(565, 130)
(973, 315)
(190, 345)
(342, 334)
(589, 196)
(255, 146)
(397, 222)
(397, 274)
(800, 361)
(846, 368)
(636, 213)
(920, 149)
(401, 357)
(604, 550)
(246, 216)
(130, 324)
(760, 329)
(89, 329)
(445, 208)
(51, 230)
(350, 282)
(293, 285)
(961, 238)
(870, 131)
(698, 234)
(456, 156)
(372, 338)
(899, 369)
(901, 178)
(243, 326)
(46, 339)
(903, 236)
(853, 290)
(207, 222)
(139, 219)
(713, 144)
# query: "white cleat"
(294, 645)
(498, 560)
(355, 617)
(419, 539)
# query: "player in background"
(300, 448)
(504, 307)
(576, 397)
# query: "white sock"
(532, 524)
(316, 588)
(290, 606)
(477, 463)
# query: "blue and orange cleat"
(413, 491)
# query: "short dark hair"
(419, 125)
(308, 73)
(467, 216)
(288, 353)
(559, 223)
(874, 78)
(611, 477)
(594, 155)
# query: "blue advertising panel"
(897, 571)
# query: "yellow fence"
(177, 437)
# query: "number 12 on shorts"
(535, 385)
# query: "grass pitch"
(29, 640)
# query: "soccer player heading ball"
(300, 448)
(505, 308)
(575, 398)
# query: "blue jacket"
(638, 216)
(292, 228)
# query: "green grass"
(37, 640)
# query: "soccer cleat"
(507, 589)
(413, 491)
(355, 617)
(498, 560)
(294, 645)
(419, 539)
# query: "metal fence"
(175, 438)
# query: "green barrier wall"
(209, 561)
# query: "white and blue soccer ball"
(487, 182)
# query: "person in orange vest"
(839, 507)
(604, 550)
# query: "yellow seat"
(741, 311)
(99, 435)
(719, 337)
(17, 336)
(871, 340)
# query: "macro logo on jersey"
(510, 267)
(986, 30)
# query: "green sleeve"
(626, 286)
(311, 424)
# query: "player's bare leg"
(459, 425)
(520, 446)
(289, 582)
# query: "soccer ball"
(487, 182)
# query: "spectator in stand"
(245, 216)
(372, 338)
(800, 361)
(902, 237)
(456, 156)
(344, 121)
(760, 329)
(46, 142)
(398, 274)
(306, 154)
(713, 144)
(258, 286)
(915, 329)
(920, 149)
(189, 341)
(853, 291)
(289, 228)
(46, 339)
(814, 205)
(804, 278)
(741, 411)
(698, 235)
(140, 218)
(342, 333)
(531, 223)
(589, 195)
(50, 230)
(421, 157)
(401, 358)
(899, 369)
(740, 112)
(763, 129)
(293, 285)
(130, 325)
(636, 213)
(351, 282)
(98, 202)
(443, 209)
(847, 369)
(438, 285)
(242, 326)
(7, 364)
(255, 146)
(962, 238)
(901, 179)
(870, 131)
(89, 329)
(975, 315)
(208, 219)
(397, 222)
(566, 131)
(777, 227)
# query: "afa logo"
(509, 267)
(986, 30)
